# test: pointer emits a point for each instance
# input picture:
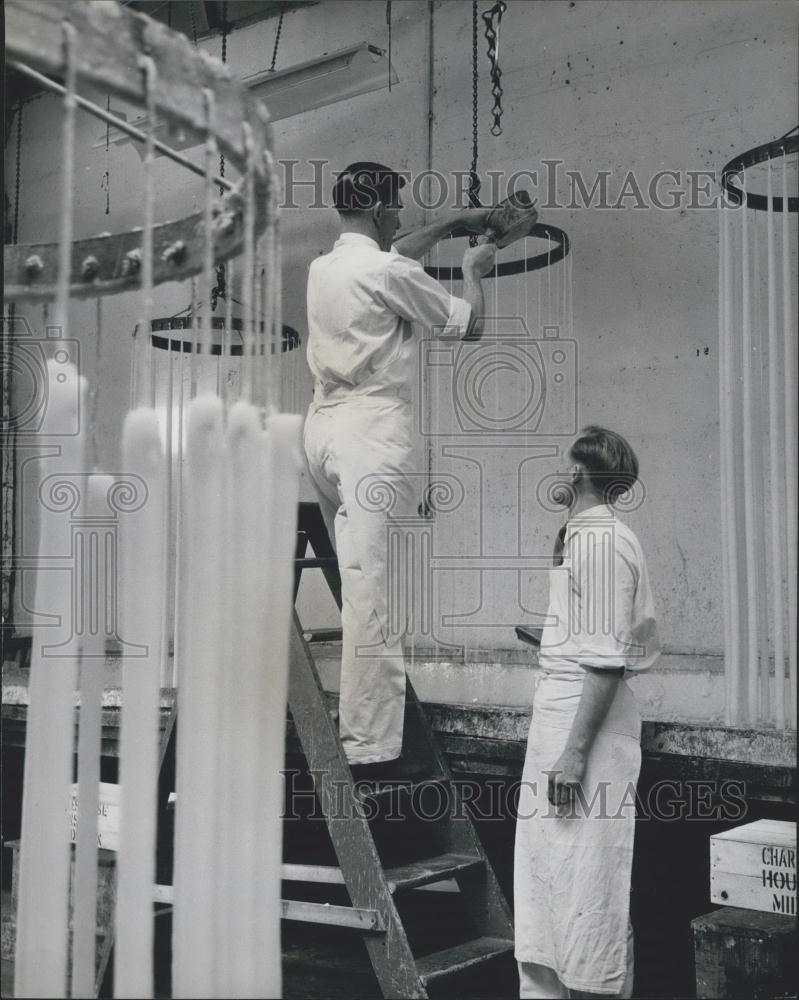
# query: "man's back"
(352, 331)
(361, 304)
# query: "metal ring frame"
(290, 338)
(519, 266)
(768, 151)
(111, 42)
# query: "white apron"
(572, 873)
(358, 440)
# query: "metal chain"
(474, 180)
(193, 23)
(17, 175)
(388, 22)
(224, 32)
(107, 174)
(220, 288)
(492, 37)
(277, 42)
(224, 60)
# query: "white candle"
(283, 471)
(753, 633)
(207, 665)
(41, 955)
(775, 472)
(789, 370)
(759, 429)
(96, 542)
(142, 598)
(730, 679)
(240, 769)
(167, 625)
(736, 528)
(180, 561)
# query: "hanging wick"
(95, 389)
(388, 22)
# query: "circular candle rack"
(109, 56)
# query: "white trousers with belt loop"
(360, 453)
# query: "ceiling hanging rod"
(120, 123)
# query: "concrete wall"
(601, 86)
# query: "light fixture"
(358, 69)
(338, 76)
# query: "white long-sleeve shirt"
(361, 304)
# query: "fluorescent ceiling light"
(359, 69)
(339, 76)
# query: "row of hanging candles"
(236, 549)
(757, 368)
(541, 300)
(260, 574)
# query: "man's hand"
(565, 777)
(474, 219)
(479, 260)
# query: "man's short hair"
(608, 459)
(361, 185)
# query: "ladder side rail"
(348, 825)
(457, 834)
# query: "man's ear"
(378, 212)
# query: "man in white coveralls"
(576, 819)
(363, 298)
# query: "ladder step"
(327, 913)
(316, 562)
(319, 874)
(463, 956)
(322, 635)
(409, 876)
(312, 913)
(436, 869)
(404, 786)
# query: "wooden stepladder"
(372, 886)
(458, 853)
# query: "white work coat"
(572, 872)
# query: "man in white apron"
(576, 820)
(363, 298)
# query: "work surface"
(490, 739)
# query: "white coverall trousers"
(359, 452)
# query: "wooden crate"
(744, 955)
(754, 867)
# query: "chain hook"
(492, 37)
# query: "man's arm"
(412, 294)
(599, 690)
(606, 588)
(477, 262)
(416, 243)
